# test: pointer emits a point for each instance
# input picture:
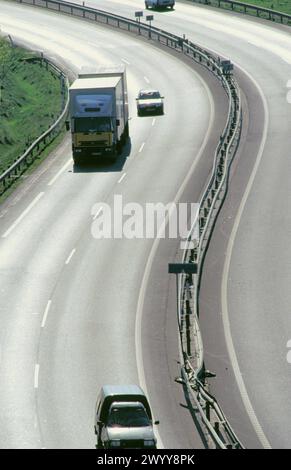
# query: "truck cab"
(123, 418)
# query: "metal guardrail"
(248, 8)
(23, 162)
(211, 414)
(210, 205)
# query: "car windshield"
(93, 124)
(148, 95)
(128, 417)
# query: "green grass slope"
(30, 100)
(278, 5)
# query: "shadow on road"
(104, 166)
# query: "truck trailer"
(98, 114)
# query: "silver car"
(123, 418)
(150, 102)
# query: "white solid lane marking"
(146, 79)
(122, 177)
(70, 256)
(36, 372)
(46, 313)
(149, 263)
(97, 213)
(225, 276)
(24, 213)
(141, 147)
(153, 121)
(60, 172)
(125, 61)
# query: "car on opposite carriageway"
(159, 4)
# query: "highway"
(69, 302)
(245, 294)
(72, 307)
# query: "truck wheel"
(77, 161)
(113, 157)
(118, 148)
(146, 5)
(125, 135)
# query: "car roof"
(112, 390)
(127, 404)
(149, 92)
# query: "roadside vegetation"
(278, 5)
(30, 100)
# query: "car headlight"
(149, 442)
(115, 443)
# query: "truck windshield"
(93, 124)
(128, 417)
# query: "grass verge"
(283, 6)
(30, 101)
(30, 169)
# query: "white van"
(159, 3)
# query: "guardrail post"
(188, 335)
(207, 409)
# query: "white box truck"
(98, 114)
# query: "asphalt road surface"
(69, 301)
(68, 328)
(245, 298)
